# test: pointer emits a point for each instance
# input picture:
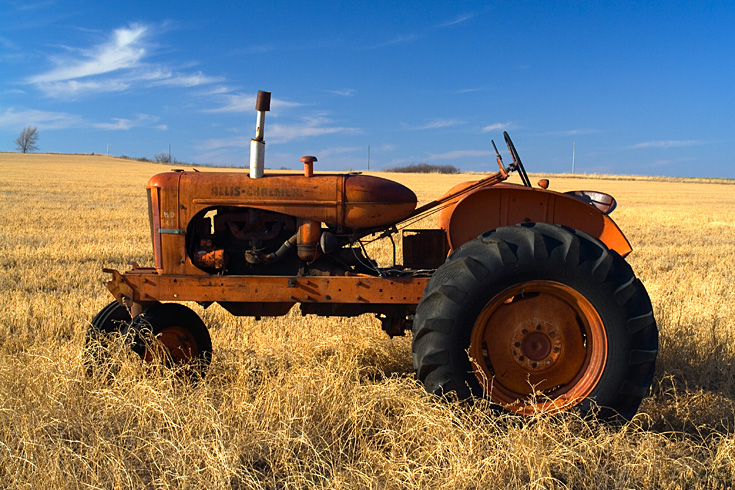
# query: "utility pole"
(574, 147)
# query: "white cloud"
(187, 80)
(668, 144)
(340, 150)
(312, 126)
(458, 20)
(73, 88)
(282, 133)
(497, 127)
(122, 124)
(258, 49)
(400, 39)
(236, 103)
(466, 91)
(459, 154)
(123, 51)
(346, 92)
(218, 143)
(574, 132)
(15, 119)
(246, 103)
(436, 124)
(113, 66)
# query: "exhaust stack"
(257, 145)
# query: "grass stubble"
(308, 402)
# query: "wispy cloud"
(122, 124)
(73, 88)
(112, 66)
(123, 51)
(459, 154)
(9, 50)
(466, 91)
(325, 153)
(458, 20)
(283, 133)
(185, 80)
(14, 119)
(668, 144)
(573, 132)
(345, 92)
(399, 39)
(497, 127)
(435, 124)
(256, 49)
(312, 126)
(246, 103)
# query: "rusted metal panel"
(165, 189)
(510, 204)
(350, 200)
(145, 285)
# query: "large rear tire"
(537, 317)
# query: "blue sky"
(638, 87)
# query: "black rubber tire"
(183, 334)
(500, 259)
(111, 319)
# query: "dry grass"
(312, 402)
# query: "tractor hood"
(350, 200)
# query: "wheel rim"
(175, 345)
(538, 346)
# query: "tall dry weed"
(308, 402)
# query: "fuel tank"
(347, 200)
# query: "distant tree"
(27, 140)
(163, 158)
(425, 168)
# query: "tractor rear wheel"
(537, 317)
(172, 334)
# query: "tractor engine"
(230, 223)
(236, 240)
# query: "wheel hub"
(174, 342)
(536, 349)
(539, 336)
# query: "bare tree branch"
(27, 140)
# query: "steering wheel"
(516, 160)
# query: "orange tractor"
(521, 294)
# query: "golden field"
(308, 402)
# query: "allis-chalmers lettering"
(236, 191)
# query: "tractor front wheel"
(173, 335)
(113, 318)
(537, 317)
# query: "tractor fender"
(509, 204)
